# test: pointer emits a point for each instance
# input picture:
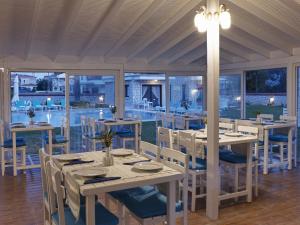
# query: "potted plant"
(113, 110)
(107, 138)
(31, 115)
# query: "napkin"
(100, 179)
(132, 163)
(76, 162)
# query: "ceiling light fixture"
(203, 17)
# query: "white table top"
(272, 124)
(130, 178)
(118, 122)
(34, 127)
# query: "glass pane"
(266, 92)
(144, 95)
(90, 96)
(44, 93)
(186, 94)
(230, 96)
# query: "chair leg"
(256, 180)
(281, 150)
(3, 162)
(24, 159)
(194, 187)
(124, 143)
(236, 180)
(295, 154)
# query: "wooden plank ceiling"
(150, 31)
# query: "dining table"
(22, 127)
(229, 138)
(265, 128)
(129, 178)
(108, 124)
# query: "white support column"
(167, 88)
(120, 92)
(67, 108)
(213, 70)
(6, 97)
(291, 89)
(204, 84)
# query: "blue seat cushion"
(199, 165)
(195, 126)
(20, 142)
(150, 206)
(103, 216)
(126, 134)
(57, 139)
(121, 195)
(233, 157)
(279, 138)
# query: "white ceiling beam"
(143, 17)
(178, 15)
(234, 49)
(171, 43)
(199, 53)
(102, 24)
(227, 56)
(33, 26)
(254, 46)
(245, 23)
(186, 50)
(65, 24)
(261, 9)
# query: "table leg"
(290, 148)
(14, 153)
(266, 151)
(90, 209)
(136, 138)
(50, 141)
(171, 203)
(249, 173)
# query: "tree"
(43, 85)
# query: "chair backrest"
(248, 130)
(226, 126)
(186, 140)
(57, 191)
(179, 123)
(168, 121)
(84, 125)
(44, 158)
(225, 120)
(288, 118)
(175, 159)
(150, 151)
(164, 137)
(158, 118)
(266, 116)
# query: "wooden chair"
(266, 116)
(62, 214)
(168, 121)
(159, 118)
(226, 126)
(60, 141)
(150, 151)
(94, 134)
(280, 138)
(238, 161)
(196, 168)
(84, 131)
(164, 137)
(6, 147)
(44, 158)
(151, 208)
(179, 123)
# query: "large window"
(230, 96)
(266, 92)
(144, 95)
(186, 94)
(44, 92)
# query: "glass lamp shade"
(225, 20)
(200, 22)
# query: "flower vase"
(108, 159)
